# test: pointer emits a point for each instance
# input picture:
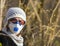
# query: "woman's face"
(16, 24)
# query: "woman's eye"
(22, 22)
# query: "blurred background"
(43, 20)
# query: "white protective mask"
(15, 28)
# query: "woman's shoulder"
(3, 33)
(4, 38)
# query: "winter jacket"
(6, 40)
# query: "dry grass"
(43, 25)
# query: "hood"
(14, 12)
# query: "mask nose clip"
(18, 23)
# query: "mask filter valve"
(15, 29)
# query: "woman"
(13, 23)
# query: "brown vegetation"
(43, 21)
